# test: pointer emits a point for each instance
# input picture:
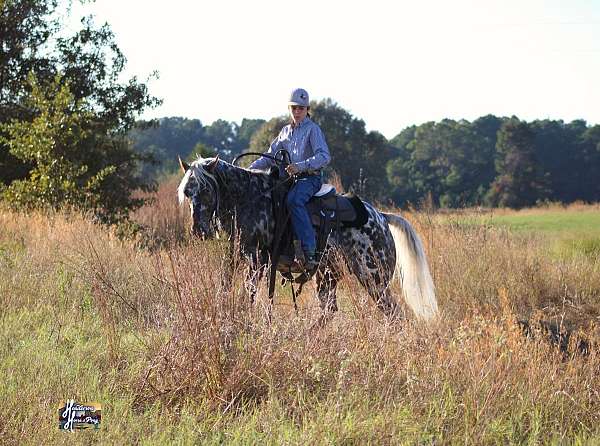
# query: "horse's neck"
(240, 188)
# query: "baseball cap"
(299, 96)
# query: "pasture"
(145, 327)
(567, 231)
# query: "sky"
(390, 63)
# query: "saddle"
(329, 213)
(327, 206)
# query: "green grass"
(568, 232)
(551, 222)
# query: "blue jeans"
(296, 201)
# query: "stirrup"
(310, 263)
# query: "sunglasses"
(298, 107)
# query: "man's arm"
(263, 163)
(321, 156)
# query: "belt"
(309, 173)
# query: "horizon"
(390, 65)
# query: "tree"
(201, 150)
(449, 161)
(520, 182)
(358, 156)
(244, 133)
(66, 90)
(556, 149)
(24, 29)
(73, 164)
(398, 168)
(589, 145)
(165, 139)
(264, 136)
(220, 136)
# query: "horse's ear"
(184, 166)
(212, 165)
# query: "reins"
(282, 160)
(281, 219)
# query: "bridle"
(282, 158)
(209, 179)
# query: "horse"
(238, 202)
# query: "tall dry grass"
(472, 377)
(165, 221)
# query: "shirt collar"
(304, 122)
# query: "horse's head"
(201, 189)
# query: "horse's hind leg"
(378, 289)
(385, 302)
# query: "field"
(570, 230)
(146, 328)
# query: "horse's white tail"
(412, 268)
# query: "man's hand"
(292, 170)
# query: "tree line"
(491, 161)
(496, 161)
(69, 135)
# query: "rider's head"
(298, 105)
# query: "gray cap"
(299, 96)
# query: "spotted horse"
(234, 200)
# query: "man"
(305, 142)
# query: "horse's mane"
(203, 176)
(199, 173)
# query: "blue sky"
(390, 63)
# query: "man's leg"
(297, 198)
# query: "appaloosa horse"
(234, 199)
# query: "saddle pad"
(348, 209)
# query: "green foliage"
(264, 136)
(72, 164)
(49, 142)
(495, 161)
(520, 181)
(453, 163)
(201, 150)
(168, 138)
(451, 160)
(164, 140)
(24, 29)
(64, 113)
(244, 133)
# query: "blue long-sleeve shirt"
(305, 143)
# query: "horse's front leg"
(254, 274)
(229, 265)
(327, 281)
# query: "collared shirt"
(305, 143)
